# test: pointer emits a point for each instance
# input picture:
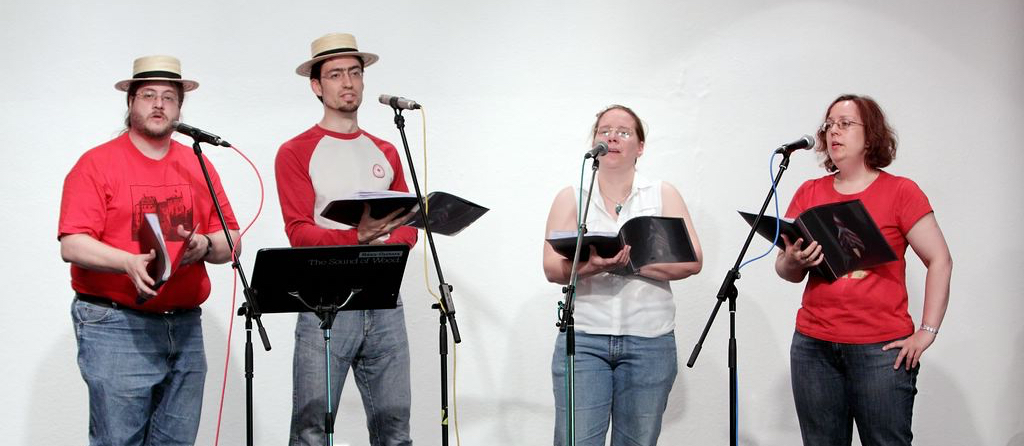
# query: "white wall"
(511, 90)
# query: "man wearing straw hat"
(140, 345)
(331, 160)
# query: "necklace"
(618, 204)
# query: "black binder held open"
(361, 277)
(849, 237)
(652, 240)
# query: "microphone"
(600, 149)
(399, 103)
(199, 135)
(806, 142)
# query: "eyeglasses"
(842, 124)
(353, 73)
(150, 96)
(621, 132)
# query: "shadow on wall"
(233, 422)
(529, 415)
(693, 304)
(676, 408)
(768, 359)
(941, 414)
(1015, 389)
(59, 398)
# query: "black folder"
(651, 240)
(848, 236)
(448, 214)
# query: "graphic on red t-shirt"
(173, 204)
(856, 275)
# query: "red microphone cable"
(234, 295)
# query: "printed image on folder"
(849, 237)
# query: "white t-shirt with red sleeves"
(319, 166)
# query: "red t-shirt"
(319, 166)
(105, 196)
(870, 306)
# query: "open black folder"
(848, 236)
(651, 240)
(448, 214)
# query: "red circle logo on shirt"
(378, 171)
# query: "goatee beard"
(139, 124)
(156, 134)
(348, 108)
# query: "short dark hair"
(640, 133)
(879, 137)
(133, 88)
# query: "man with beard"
(331, 160)
(140, 344)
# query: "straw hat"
(157, 68)
(334, 45)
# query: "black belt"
(107, 302)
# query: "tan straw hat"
(334, 45)
(157, 68)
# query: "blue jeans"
(836, 384)
(374, 344)
(145, 373)
(626, 379)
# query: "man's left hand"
(371, 229)
(196, 249)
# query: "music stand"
(325, 280)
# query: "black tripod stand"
(728, 291)
(446, 308)
(248, 308)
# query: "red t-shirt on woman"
(867, 306)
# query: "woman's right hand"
(801, 259)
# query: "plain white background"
(511, 90)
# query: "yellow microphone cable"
(426, 281)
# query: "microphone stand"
(248, 308)
(447, 307)
(567, 324)
(729, 291)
